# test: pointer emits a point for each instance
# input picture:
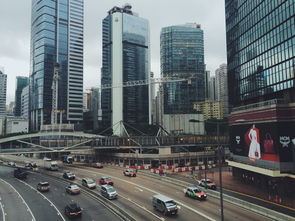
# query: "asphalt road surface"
(138, 191)
(21, 201)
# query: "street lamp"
(220, 154)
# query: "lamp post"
(220, 154)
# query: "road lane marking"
(142, 207)
(139, 189)
(2, 209)
(28, 208)
(150, 190)
(51, 203)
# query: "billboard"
(264, 141)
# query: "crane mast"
(55, 94)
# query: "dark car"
(43, 186)
(73, 189)
(208, 184)
(69, 175)
(20, 174)
(31, 165)
(73, 210)
(106, 180)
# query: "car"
(164, 204)
(73, 210)
(11, 164)
(73, 189)
(108, 191)
(69, 175)
(43, 186)
(195, 193)
(106, 180)
(97, 165)
(31, 165)
(20, 174)
(208, 184)
(130, 172)
(88, 182)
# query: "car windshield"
(90, 181)
(75, 208)
(70, 174)
(44, 184)
(208, 181)
(111, 189)
(170, 203)
(196, 190)
(74, 187)
(107, 178)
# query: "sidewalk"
(233, 185)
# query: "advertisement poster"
(267, 141)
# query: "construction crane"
(148, 81)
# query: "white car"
(88, 182)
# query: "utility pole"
(55, 94)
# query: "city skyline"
(15, 43)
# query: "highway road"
(21, 201)
(139, 191)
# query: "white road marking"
(142, 207)
(150, 190)
(28, 208)
(51, 203)
(2, 209)
(139, 189)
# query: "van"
(164, 204)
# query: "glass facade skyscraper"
(125, 59)
(3, 85)
(182, 56)
(260, 49)
(21, 82)
(56, 37)
(261, 77)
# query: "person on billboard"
(254, 149)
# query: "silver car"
(108, 191)
(88, 182)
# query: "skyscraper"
(21, 82)
(126, 54)
(3, 88)
(222, 87)
(182, 56)
(261, 77)
(56, 37)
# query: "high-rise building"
(3, 87)
(126, 57)
(182, 56)
(212, 88)
(21, 82)
(25, 102)
(211, 109)
(56, 38)
(222, 87)
(207, 84)
(261, 83)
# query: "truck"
(67, 159)
(50, 165)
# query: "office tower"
(222, 87)
(261, 77)
(56, 38)
(207, 84)
(126, 54)
(212, 88)
(3, 83)
(25, 102)
(182, 56)
(21, 82)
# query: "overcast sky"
(15, 18)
